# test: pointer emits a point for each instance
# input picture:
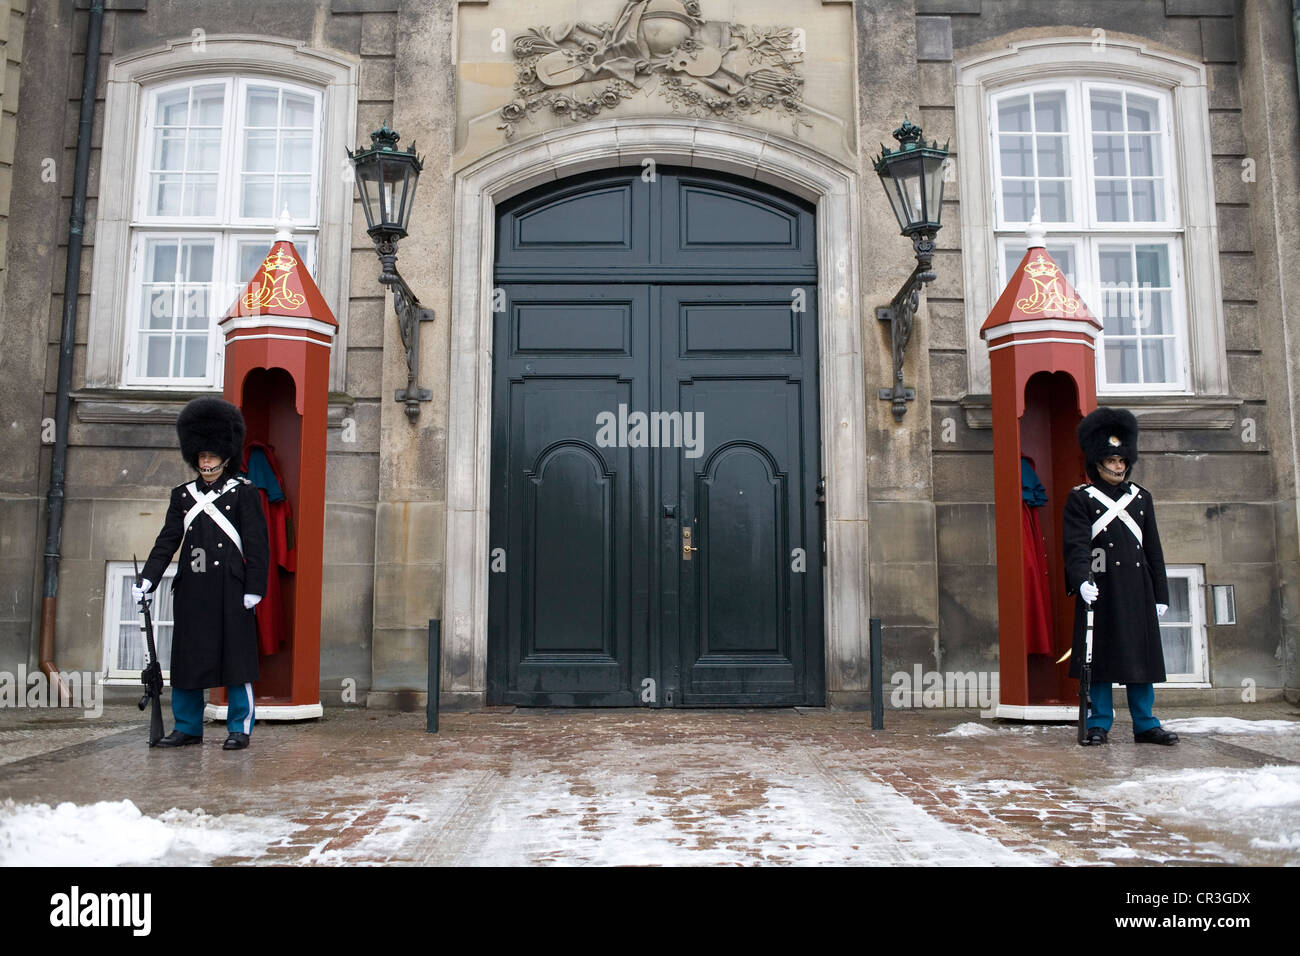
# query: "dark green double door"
(655, 530)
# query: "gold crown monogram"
(280, 262)
(1040, 267)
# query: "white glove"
(1160, 609)
(250, 601)
(140, 590)
(1089, 591)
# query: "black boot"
(1156, 735)
(1094, 736)
(178, 738)
(236, 741)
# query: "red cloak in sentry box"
(1042, 342)
(279, 336)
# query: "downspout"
(67, 339)
(1295, 37)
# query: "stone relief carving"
(664, 47)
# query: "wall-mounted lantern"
(913, 179)
(386, 180)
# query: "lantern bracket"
(409, 316)
(900, 314)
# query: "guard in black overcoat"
(1109, 532)
(218, 522)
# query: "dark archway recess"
(655, 537)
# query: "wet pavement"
(664, 787)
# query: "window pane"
(263, 105)
(1054, 201)
(158, 306)
(251, 255)
(205, 151)
(1013, 114)
(174, 108)
(1148, 200)
(1116, 265)
(1144, 156)
(298, 111)
(208, 106)
(297, 154)
(1176, 642)
(1158, 361)
(165, 198)
(194, 356)
(169, 150)
(1017, 156)
(1142, 112)
(1152, 265)
(200, 195)
(1049, 112)
(1157, 313)
(1180, 604)
(1112, 200)
(198, 260)
(259, 198)
(1018, 200)
(162, 261)
(1122, 362)
(1117, 310)
(1051, 156)
(259, 153)
(296, 194)
(1107, 111)
(1108, 155)
(157, 355)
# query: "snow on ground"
(968, 729)
(118, 834)
(1262, 803)
(775, 821)
(1230, 725)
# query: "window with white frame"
(124, 646)
(218, 159)
(1182, 629)
(1095, 161)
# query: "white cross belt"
(203, 503)
(1115, 509)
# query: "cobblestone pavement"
(806, 786)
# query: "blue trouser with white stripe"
(1141, 701)
(187, 709)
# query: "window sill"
(1152, 411)
(149, 406)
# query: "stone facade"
(910, 523)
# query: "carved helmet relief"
(662, 48)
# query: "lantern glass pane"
(934, 172)
(908, 175)
(365, 173)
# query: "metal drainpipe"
(1295, 37)
(67, 339)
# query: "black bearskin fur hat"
(211, 424)
(1106, 432)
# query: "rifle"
(1085, 675)
(151, 676)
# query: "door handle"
(686, 544)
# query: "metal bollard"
(435, 673)
(877, 678)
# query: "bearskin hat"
(211, 424)
(1106, 432)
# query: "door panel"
(750, 603)
(566, 511)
